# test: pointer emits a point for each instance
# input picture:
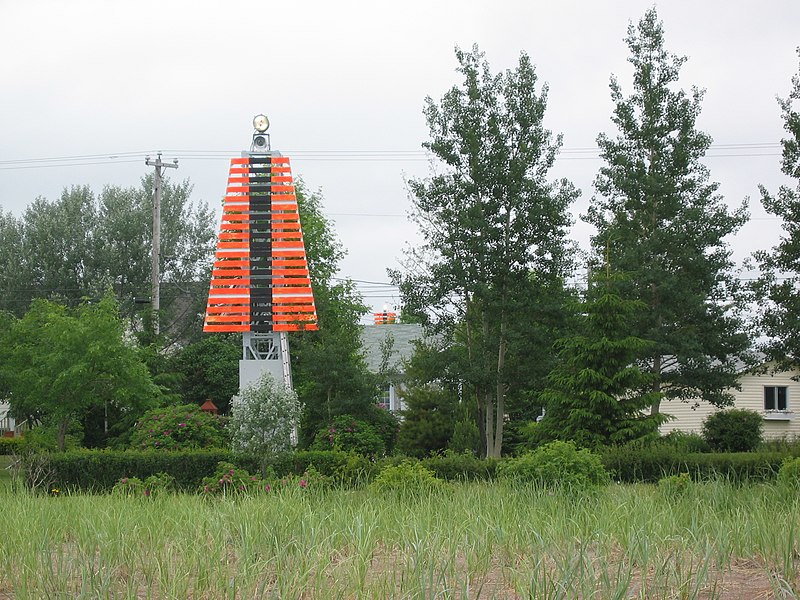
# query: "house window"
(775, 398)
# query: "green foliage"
(557, 464)
(595, 395)
(329, 371)
(428, 420)
(180, 427)
(650, 464)
(684, 442)
(264, 417)
(675, 486)
(153, 486)
(733, 430)
(408, 479)
(229, 479)
(59, 363)
(348, 434)
(100, 470)
(466, 438)
(9, 445)
(789, 473)
(74, 246)
(210, 370)
(662, 221)
(465, 466)
(494, 228)
(780, 267)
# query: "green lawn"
(479, 540)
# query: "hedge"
(10, 445)
(99, 470)
(651, 464)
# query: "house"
(8, 425)
(776, 396)
(386, 348)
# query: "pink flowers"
(303, 483)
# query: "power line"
(744, 150)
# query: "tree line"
(664, 316)
(515, 354)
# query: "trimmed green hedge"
(652, 464)
(99, 470)
(9, 445)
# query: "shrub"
(653, 463)
(229, 479)
(465, 438)
(733, 430)
(675, 486)
(350, 435)
(789, 473)
(9, 445)
(556, 464)
(686, 442)
(465, 466)
(264, 417)
(180, 427)
(151, 487)
(409, 478)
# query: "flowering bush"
(349, 435)
(149, 488)
(228, 479)
(181, 427)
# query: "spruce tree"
(659, 215)
(781, 267)
(598, 392)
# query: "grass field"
(471, 541)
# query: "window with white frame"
(775, 397)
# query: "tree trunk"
(500, 401)
(61, 435)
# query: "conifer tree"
(781, 267)
(659, 215)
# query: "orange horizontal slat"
(226, 216)
(289, 262)
(293, 318)
(293, 281)
(238, 226)
(298, 271)
(292, 253)
(228, 310)
(284, 198)
(282, 188)
(240, 161)
(226, 328)
(231, 263)
(300, 308)
(225, 245)
(227, 319)
(245, 235)
(292, 206)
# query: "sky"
(88, 89)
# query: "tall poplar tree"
(662, 222)
(781, 266)
(494, 225)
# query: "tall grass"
(479, 540)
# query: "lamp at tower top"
(260, 123)
(260, 137)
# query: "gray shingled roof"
(404, 335)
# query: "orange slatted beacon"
(260, 284)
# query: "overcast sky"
(344, 84)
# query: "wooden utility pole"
(154, 278)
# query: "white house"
(388, 347)
(776, 396)
(8, 426)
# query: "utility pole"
(154, 278)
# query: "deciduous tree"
(494, 225)
(57, 363)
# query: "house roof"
(402, 348)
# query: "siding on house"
(777, 424)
